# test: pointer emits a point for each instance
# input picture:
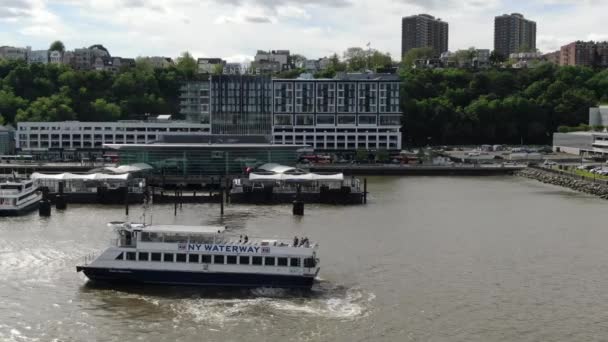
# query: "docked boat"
(18, 197)
(202, 255)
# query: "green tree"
(104, 111)
(186, 65)
(53, 108)
(10, 105)
(415, 54)
(218, 69)
(57, 46)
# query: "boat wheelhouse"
(202, 255)
(18, 197)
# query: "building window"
(390, 120)
(326, 120)
(347, 120)
(305, 120)
(367, 119)
(283, 120)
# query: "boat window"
(309, 262)
(180, 257)
(143, 256)
(173, 238)
(193, 258)
(202, 239)
(282, 261)
(231, 259)
(151, 237)
(131, 256)
(256, 260)
(269, 261)
(294, 262)
(244, 260)
(206, 259)
(119, 257)
(168, 257)
(218, 259)
(156, 257)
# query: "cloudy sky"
(235, 29)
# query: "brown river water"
(427, 259)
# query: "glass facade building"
(205, 159)
(241, 105)
(195, 102)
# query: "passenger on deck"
(240, 238)
(295, 241)
(246, 238)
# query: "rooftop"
(175, 229)
(200, 146)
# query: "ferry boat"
(18, 197)
(202, 255)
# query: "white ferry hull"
(4, 212)
(211, 279)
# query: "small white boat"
(201, 255)
(18, 197)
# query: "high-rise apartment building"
(513, 33)
(423, 30)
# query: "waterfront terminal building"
(189, 161)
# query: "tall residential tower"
(423, 30)
(513, 33)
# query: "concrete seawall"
(573, 182)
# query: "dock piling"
(364, 190)
(61, 202)
(298, 205)
(44, 208)
(126, 200)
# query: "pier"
(420, 170)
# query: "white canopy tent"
(130, 168)
(71, 176)
(309, 177)
(276, 168)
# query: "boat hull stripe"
(114, 275)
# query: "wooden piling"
(127, 200)
(365, 191)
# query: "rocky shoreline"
(571, 182)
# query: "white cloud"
(314, 28)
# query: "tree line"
(55, 92)
(497, 106)
(440, 106)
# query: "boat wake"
(263, 305)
